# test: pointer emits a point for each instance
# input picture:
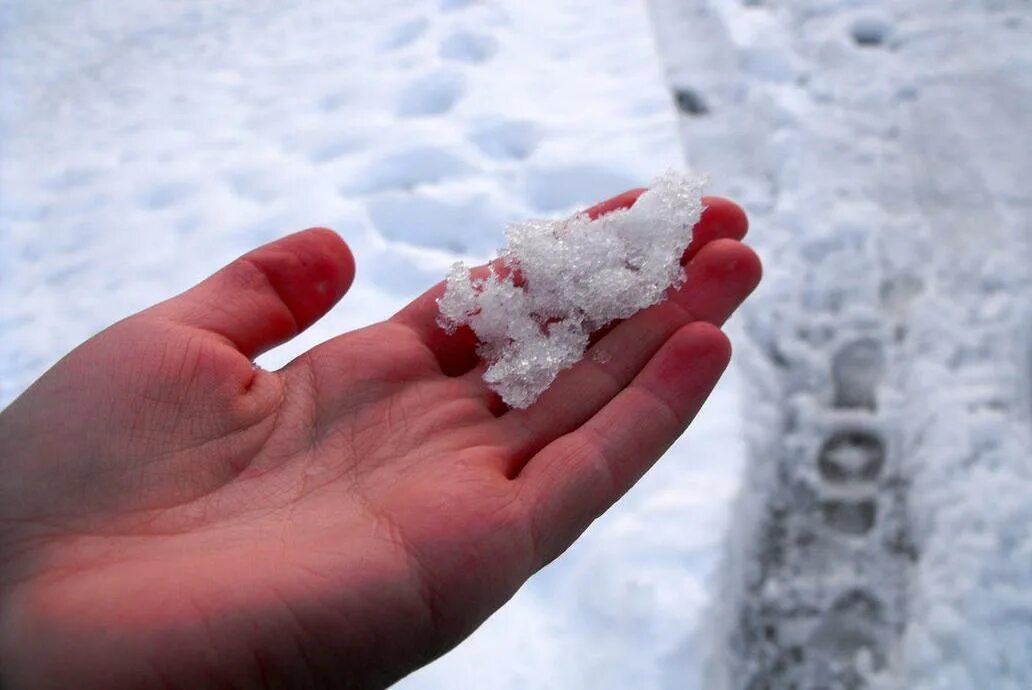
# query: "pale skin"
(173, 517)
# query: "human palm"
(173, 516)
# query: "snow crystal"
(558, 281)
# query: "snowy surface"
(884, 535)
(559, 281)
(881, 149)
(142, 148)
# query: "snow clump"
(557, 281)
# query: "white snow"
(880, 148)
(559, 281)
(882, 151)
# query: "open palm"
(172, 516)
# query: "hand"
(172, 516)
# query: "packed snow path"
(884, 533)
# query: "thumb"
(270, 294)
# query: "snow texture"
(883, 534)
(880, 148)
(559, 281)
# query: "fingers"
(577, 477)
(721, 219)
(622, 200)
(270, 294)
(456, 352)
(719, 278)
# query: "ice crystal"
(557, 281)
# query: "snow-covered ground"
(884, 533)
(144, 146)
(881, 149)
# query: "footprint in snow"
(410, 167)
(853, 624)
(857, 368)
(253, 185)
(432, 94)
(565, 187)
(850, 516)
(333, 148)
(470, 226)
(851, 455)
(870, 32)
(504, 139)
(405, 33)
(165, 195)
(467, 46)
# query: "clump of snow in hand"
(558, 281)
